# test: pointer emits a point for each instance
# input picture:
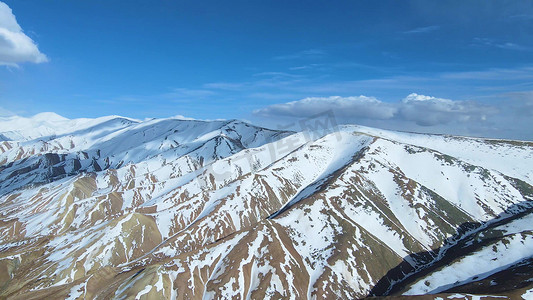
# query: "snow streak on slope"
(495, 257)
(192, 209)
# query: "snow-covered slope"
(173, 208)
(49, 125)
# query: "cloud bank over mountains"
(15, 46)
(431, 111)
(357, 107)
(418, 113)
(420, 109)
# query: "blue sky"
(470, 63)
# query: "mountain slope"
(194, 209)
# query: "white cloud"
(419, 109)
(306, 54)
(519, 74)
(361, 107)
(499, 44)
(414, 97)
(5, 113)
(229, 86)
(188, 94)
(419, 113)
(276, 75)
(181, 117)
(430, 111)
(423, 29)
(15, 46)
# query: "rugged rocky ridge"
(115, 207)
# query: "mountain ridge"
(196, 209)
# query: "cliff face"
(190, 209)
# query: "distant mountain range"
(175, 208)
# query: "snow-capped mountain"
(171, 208)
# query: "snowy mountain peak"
(48, 117)
(48, 124)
